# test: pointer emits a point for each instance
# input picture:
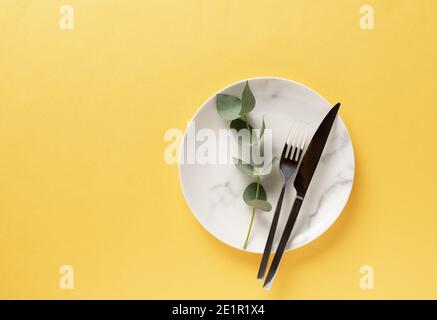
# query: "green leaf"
(263, 128)
(252, 200)
(264, 170)
(260, 204)
(247, 100)
(244, 136)
(246, 168)
(240, 124)
(256, 140)
(228, 107)
(250, 192)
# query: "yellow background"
(82, 118)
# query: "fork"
(291, 155)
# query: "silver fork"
(291, 155)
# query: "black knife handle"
(284, 240)
(271, 237)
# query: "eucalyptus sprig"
(234, 109)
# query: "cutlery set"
(297, 167)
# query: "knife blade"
(301, 183)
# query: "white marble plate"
(214, 191)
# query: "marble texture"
(214, 192)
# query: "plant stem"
(248, 128)
(253, 215)
(250, 228)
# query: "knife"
(301, 183)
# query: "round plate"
(214, 191)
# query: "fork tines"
(296, 142)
